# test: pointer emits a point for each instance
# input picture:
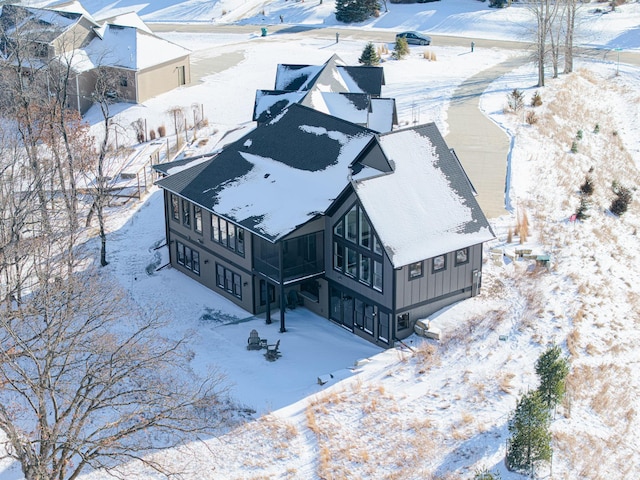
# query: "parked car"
(416, 38)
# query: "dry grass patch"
(504, 382)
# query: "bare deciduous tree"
(84, 386)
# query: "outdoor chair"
(273, 352)
(254, 342)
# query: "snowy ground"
(439, 411)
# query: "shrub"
(621, 202)
(429, 55)
(401, 49)
(587, 186)
(485, 474)
(152, 134)
(574, 147)
(536, 99)
(532, 119)
(515, 99)
(162, 131)
(596, 129)
(579, 135)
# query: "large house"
(372, 230)
(67, 37)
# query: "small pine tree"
(581, 213)
(515, 100)
(620, 204)
(587, 187)
(530, 440)
(401, 48)
(596, 129)
(574, 147)
(552, 369)
(579, 135)
(369, 56)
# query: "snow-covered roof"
(128, 19)
(131, 48)
(426, 206)
(72, 6)
(333, 88)
(302, 154)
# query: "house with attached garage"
(65, 42)
(370, 230)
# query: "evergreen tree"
(530, 440)
(401, 48)
(350, 11)
(552, 369)
(369, 56)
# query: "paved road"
(482, 146)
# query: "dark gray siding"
(211, 254)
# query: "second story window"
(197, 219)
(186, 213)
(227, 234)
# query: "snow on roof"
(382, 115)
(128, 19)
(295, 77)
(269, 103)
(353, 108)
(128, 47)
(417, 211)
(72, 7)
(267, 190)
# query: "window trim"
(411, 274)
(444, 263)
(186, 213)
(188, 258)
(466, 260)
(229, 281)
(197, 219)
(174, 206)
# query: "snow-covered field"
(439, 410)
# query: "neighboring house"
(141, 64)
(372, 231)
(347, 92)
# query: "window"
(383, 327)
(124, 82)
(196, 262)
(229, 281)
(351, 262)
(462, 256)
(180, 250)
(365, 269)
(415, 270)
(215, 229)
(227, 234)
(175, 208)
(240, 240)
(188, 258)
(182, 79)
(197, 219)
(223, 232)
(377, 275)
(351, 224)
(403, 321)
(231, 236)
(338, 256)
(357, 251)
(439, 263)
(186, 214)
(364, 232)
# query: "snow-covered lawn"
(430, 410)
